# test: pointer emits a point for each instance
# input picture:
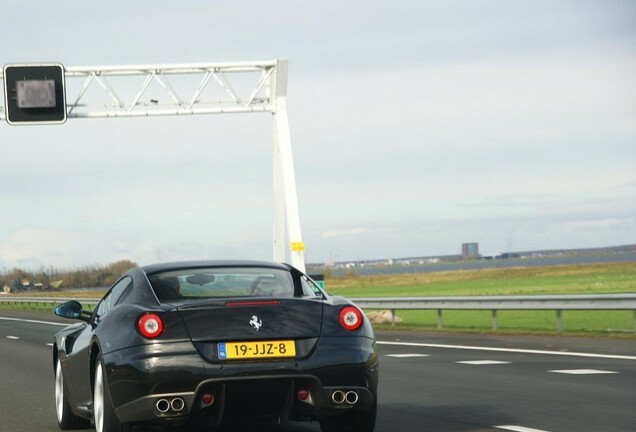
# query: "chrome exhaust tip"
(177, 404)
(338, 397)
(162, 406)
(351, 397)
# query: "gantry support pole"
(286, 214)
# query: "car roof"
(171, 266)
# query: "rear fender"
(118, 329)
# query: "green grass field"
(584, 279)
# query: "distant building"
(470, 250)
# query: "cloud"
(415, 127)
(594, 226)
(33, 247)
(345, 232)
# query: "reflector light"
(150, 325)
(350, 318)
(207, 399)
(303, 395)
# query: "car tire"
(66, 420)
(103, 411)
(358, 421)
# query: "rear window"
(215, 282)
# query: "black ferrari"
(215, 343)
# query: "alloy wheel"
(59, 392)
(98, 399)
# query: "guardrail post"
(440, 319)
(494, 319)
(559, 323)
(392, 317)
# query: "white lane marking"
(35, 321)
(582, 371)
(407, 355)
(482, 362)
(13, 337)
(49, 344)
(519, 428)
(511, 350)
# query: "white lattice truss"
(123, 91)
(120, 99)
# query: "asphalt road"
(429, 382)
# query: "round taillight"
(150, 325)
(350, 318)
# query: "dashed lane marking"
(407, 355)
(583, 371)
(519, 428)
(482, 362)
(34, 321)
(511, 350)
(13, 337)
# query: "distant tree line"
(52, 278)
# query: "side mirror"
(71, 309)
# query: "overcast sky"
(415, 125)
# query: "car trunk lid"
(253, 319)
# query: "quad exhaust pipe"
(174, 406)
(339, 397)
(163, 406)
(177, 404)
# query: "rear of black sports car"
(253, 350)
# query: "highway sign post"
(34, 94)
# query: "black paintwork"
(183, 361)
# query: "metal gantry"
(200, 88)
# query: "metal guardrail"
(43, 303)
(558, 303)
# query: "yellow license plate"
(256, 350)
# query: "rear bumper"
(140, 377)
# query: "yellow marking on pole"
(297, 246)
